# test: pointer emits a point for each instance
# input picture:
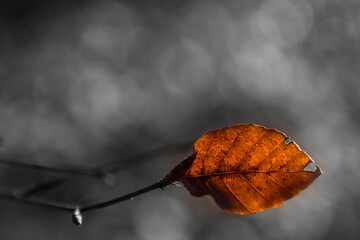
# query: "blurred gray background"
(103, 82)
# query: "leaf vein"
(240, 172)
(291, 194)
(287, 162)
(230, 147)
(253, 146)
(205, 157)
(256, 189)
(275, 147)
(242, 204)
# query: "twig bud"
(76, 217)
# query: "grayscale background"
(85, 84)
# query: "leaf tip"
(313, 169)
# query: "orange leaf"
(246, 168)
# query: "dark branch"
(43, 204)
(123, 198)
(37, 187)
(11, 162)
(71, 208)
(24, 195)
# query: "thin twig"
(23, 196)
(37, 187)
(48, 169)
(71, 208)
(122, 198)
(47, 204)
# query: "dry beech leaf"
(246, 168)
